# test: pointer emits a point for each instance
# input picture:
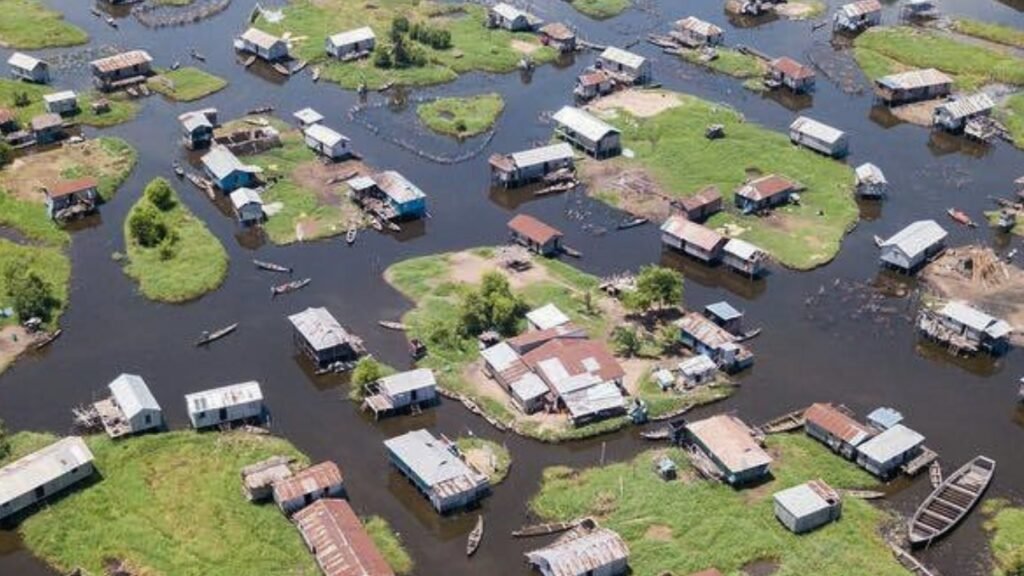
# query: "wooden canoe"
(392, 325)
(785, 423)
(961, 217)
(208, 337)
(632, 223)
(47, 339)
(289, 286)
(475, 536)
(863, 494)
(951, 501)
(271, 267)
(350, 236)
(544, 529)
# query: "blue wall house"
(227, 171)
(391, 195)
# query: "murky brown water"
(827, 351)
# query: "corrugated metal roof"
(766, 187)
(42, 466)
(705, 331)
(242, 196)
(325, 135)
(698, 26)
(914, 79)
(321, 329)
(59, 96)
(432, 461)
(132, 395)
(724, 310)
(547, 316)
(507, 11)
(353, 36)
(601, 397)
(868, 173)
(968, 105)
(743, 250)
(193, 121)
(889, 444)
(532, 228)
(806, 499)
(623, 57)
(692, 233)
(861, 8)
(730, 441)
(837, 423)
(975, 319)
(407, 381)
(258, 37)
(122, 60)
(339, 541)
(544, 154)
(221, 162)
(917, 237)
(530, 386)
(558, 31)
(66, 187)
(699, 364)
(397, 187)
(885, 417)
(791, 68)
(501, 356)
(223, 397)
(307, 481)
(45, 121)
(580, 554)
(817, 130)
(584, 123)
(308, 116)
(575, 357)
(24, 61)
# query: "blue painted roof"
(885, 417)
(723, 310)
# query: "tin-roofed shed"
(434, 466)
(526, 166)
(412, 389)
(29, 68)
(338, 540)
(884, 418)
(693, 32)
(743, 257)
(857, 16)
(535, 235)
(137, 404)
(807, 506)
(730, 445)
(913, 246)
(835, 428)
(624, 64)
(870, 181)
(692, 239)
(819, 136)
(352, 44)
(587, 132)
(953, 115)
(225, 405)
(323, 480)
(885, 453)
(43, 473)
(599, 552)
(322, 338)
(326, 142)
(912, 86)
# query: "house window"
(40, 492)
(149, 419)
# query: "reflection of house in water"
(749, 288)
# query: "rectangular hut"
(262, 45)
(871, 181)
(29, 68)
(197, 128)
(351, 45)
(226, 170)
(406, 390)
(692, 239)
(705, 337)
(390, 195)
(726, 316)
(506, 367)
(69, 198)
(697, 371)
(702, 205)
(47, 128)
(34, 478)
(819, 137)
(585, 131)
(953, 116)
(326, 142)
(436, 469)
(765, 193)
(506, 16)
(546, 317)
(535, 235)
(730, 445)
(319, 335)
(339, 541)
(912, 247)
(884, 418)
(248, 206)
(885, 453)
(225, 405)
(807, 506)
(558, 36)
(63, 102)
(130, 409)
(633, 68)
(597, 552)
(743, 257)
(912, 86)
(308, 117)
(258, 478)
(519, 168)
(836, 429)
(693, 32)
(857, 16)
(583, 377)
(791, 74)
(121, 70)
(958, 323)
(323, 480)
(592, 84)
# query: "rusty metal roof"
(578, 555)
(122, 60)
(837, 423)
(67, 187)
(533, 229)
(339, 541)
(692, 233)
(766, 187)
(317, 477)
(730, 441)
(791, 68)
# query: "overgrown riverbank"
(120, 110)
(186, 84)
(30, 25)
(462, 117)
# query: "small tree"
(656, 287)
(626, 340)
(367, 371)
(6, 154)
(382, 57)
(667, 338)
(146, 226)
(160, 194)
(492, 307)
(399, 26)
(21, 99)
(30, 295)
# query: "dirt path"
(14, 340)
(640, 103)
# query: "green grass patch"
(600, 9)
(681, 527)
(24, 443)
(186, 84)
(1006, 525)
(120, 110)
(50, 263)
(663, 402)
(475, 48)
(171, 504)
(730, 62)
(30, 25)
(1011, 114)
(462, 117)
(197, 264)
(389, 543)
(496, 456)
(320, 214)
(800, 237)
(884, 50)
(30, 219)
(998, 33)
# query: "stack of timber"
(951, 501)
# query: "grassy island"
(600, 9)
(186, 84)
(170, 252)
(1011, 114)
(1006, 524)
(487, 457)
(886, 50)
(120, 110)
(998, 33)
(665, 130)
(30, 25)
(688, 525)
(462, 117)
(730, 62)
(439, 42)
(440, 285)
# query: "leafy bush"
(382, 56)
(30, 295)
(656, 287)
(437, 38)
(367, 371)
(160, 194)
(22, 99)
(493, 307)
(6, 154)
(626, 340)
(147, 226)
